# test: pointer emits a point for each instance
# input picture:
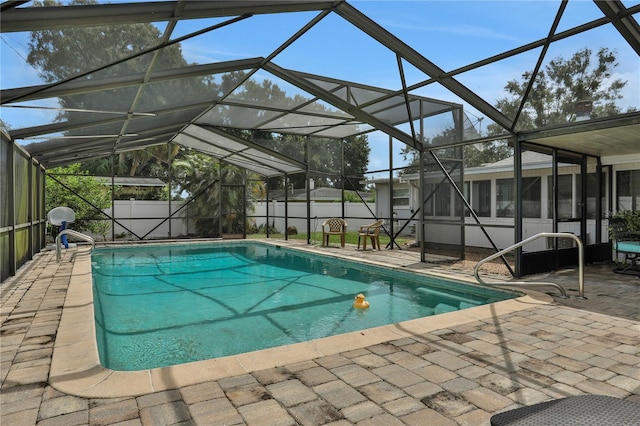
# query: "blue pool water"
(161, 305)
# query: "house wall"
(401, 214)
(503, 236)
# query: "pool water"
(161, 305)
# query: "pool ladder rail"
(73, 234)
(563, 293)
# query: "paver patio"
(457, 375)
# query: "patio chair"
(578, 410)
(625, 242)
(370, 231)
(334, 226)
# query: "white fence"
(356, 214)
(140, 217)
(146, 217)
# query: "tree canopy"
(61, 186)
(554, 98)
(559, 86)
(71, 52)
(63, 54)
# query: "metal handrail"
(526, 241)
(74, 234)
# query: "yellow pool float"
(360, 303)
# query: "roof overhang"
(618, 135)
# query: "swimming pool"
(164, 305)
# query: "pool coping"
(76, 368)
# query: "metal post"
(391, 192)
(308, 160)
(220, 165)
(286, 206)
(554, 228)
(555, 191)
(460, 135)
(30, 208)
(583, 200)
(170, 161)
(517, 170)
(113, 195)
(11, 175)
(600, 177)
(267, 205)
(244, 204)
(422, 210)
(342, 175)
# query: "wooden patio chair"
(370, 231)
(334, 226)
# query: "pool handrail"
(73, 234)
(563, 293)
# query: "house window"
(504, 198)
(466, 190)
(531, 197)
(628, 190)
(481, 198)
(565, 197)
(443, 199)
(401, 197)
(428, 196)
(592, 195)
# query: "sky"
(450, 34)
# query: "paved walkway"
(459, 375)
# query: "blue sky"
(449, 33)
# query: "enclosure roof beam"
(28, 132)
(56, 145)
(253, 145)
(79, 152)
(619, 121)
(86, 86)
(338, 102)
(237, 157)
(627, 26)
(387, 39)
(59, 17)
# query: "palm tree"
(217, 191)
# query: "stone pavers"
(454, 376)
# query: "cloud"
(458, 29)
(200, 54)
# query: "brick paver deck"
(459, 375)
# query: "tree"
(66, 53)
(473, 155)
(63, 54)
(4, 125)
(61, 186)
(324, 160)
(217, 192)
(478, 154)
(325, 154)
(552, 100)
(356, 158)
(560, 86)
